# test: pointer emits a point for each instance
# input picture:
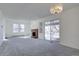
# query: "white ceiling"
(29, 10)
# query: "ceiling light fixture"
(56, 9)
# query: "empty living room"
(39, 29)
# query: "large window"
(18, 28)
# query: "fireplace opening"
(34, 33)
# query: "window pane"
(15, 27)
(22, 27)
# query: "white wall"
(9, 27)
(69, 28)
(35, 24)
(2, 30)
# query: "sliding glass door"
(52, 30)
(47, 32)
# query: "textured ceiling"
(29, 11)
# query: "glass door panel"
(52, 30)
(47, 32)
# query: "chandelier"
(56, 9)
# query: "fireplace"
(34, 33)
